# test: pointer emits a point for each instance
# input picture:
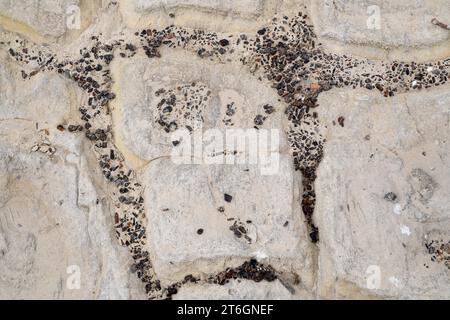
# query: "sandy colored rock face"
(382, 23)
(55, 245)
(247, 7)
(387, 168)
(383, 29)
(55, 242)
(98, 200)
(245, 290)
(21, 99)
(249, 226)
(49, 17)
(228, 16)
(224, 98)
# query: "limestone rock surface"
(381, 191)
(56, 239)
(382, 23)
(386, 168)
(48, 17)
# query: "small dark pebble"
(74, 128)
(259, 120)
(227, 197)
(262, 31)
(224, 42)
(314, 234)
(268, 109)
(390, 196)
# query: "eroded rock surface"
(47, 17)
(358, 203)
(243, 289)
(237, 228)
(55, 242)
(386, 167)
(400, 23)
(240, 7)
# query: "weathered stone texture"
(241, 7)
(185, 198)
(400, 23)
(53, 221)
(383, 190)
(138, 81)
(236, 290)
(48, 17)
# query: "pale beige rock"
(48, 17)
(249, 7)
(142, 139)
(53, 221)
(383, 29)
(182, 199)
(382, 23)
(56, 239)
(394, 145)
(214, 15)
(50, 181)
(45, 98)
(235, 290)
